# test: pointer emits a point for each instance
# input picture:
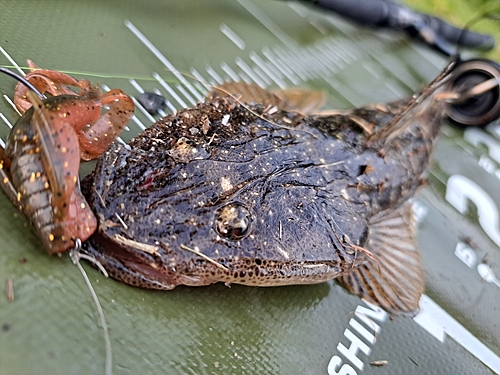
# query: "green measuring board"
(52, 325)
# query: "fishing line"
(97, 75)
(75, 256)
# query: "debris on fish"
(269, 197)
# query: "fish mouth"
(154, 267)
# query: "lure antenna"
(24, 81)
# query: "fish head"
(249, 203)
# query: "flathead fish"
(243, 189)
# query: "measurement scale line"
(138, 87)
(138, 122)
(355, 53)
(333, 55)
(5, 120)
(268, 23)
(214, 74)
(273, 68)
(186, 95)
(249, 72)
(245, 77)
(233, 37)
(262, 75)
(370, 46)
(330, 63)
(201, 88)
(165, 85)
(345, 92)
(169, 104)
(273, 59)
(143, 110)
(262, 65)
(162, 58)
(397, 70)
(318, 25)
(292, 65)
(337, 64)
(11, 104)
(321, 61)
(11, 60)
(338, 47)
(230, 72)
(391, 86)
(300, 63)
(298, 8)
(201, 81)
(311, 63)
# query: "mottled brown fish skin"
(243, 194)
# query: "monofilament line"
(75, 257)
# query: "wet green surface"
(52, 326)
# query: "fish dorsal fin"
(302, 100)
(394, 278)
(297, 100)
(248, 93)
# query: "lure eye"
(233, 222)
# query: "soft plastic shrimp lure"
(40, 163)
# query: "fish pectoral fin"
(297, 100)
(394, 278)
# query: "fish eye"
(233, 222)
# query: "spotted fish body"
(251, 194)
